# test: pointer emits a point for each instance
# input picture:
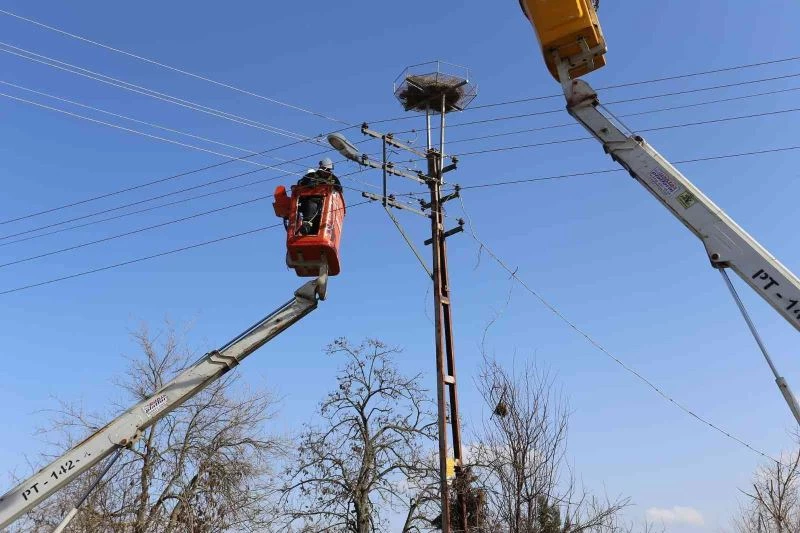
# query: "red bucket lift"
(313, 216)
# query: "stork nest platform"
(425, 91)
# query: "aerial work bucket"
(569, 28)
(313, 216)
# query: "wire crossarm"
(127, 428)
(726, 243)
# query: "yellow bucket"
(560, 26)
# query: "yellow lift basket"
(570, 28)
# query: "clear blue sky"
(598, 247)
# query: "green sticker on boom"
(687, 199)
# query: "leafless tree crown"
(367, 454)
(204, 468)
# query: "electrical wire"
(591, 340)
(610, 87)
(171, 204)
(150, 257)
(649, 81)
(495, 119)
(148, 184)
(138, 121)
(122, 84)
(139, 211)
(139, 259)
(625, 115)
(141, 230)
(560, 110)
(660, 128)
(134, 232)
(609, 171)
(174, 69)
(466, 187)
(132, 204)
(629, 100)
(142, 133)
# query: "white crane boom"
(726, 243)
(127, 428)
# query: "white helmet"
(326, 164)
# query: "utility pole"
(446, 390)
(428, 89)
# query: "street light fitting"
(344, 147)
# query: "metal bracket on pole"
(391, 202)
(451, 166)
(449, 233)
(390, 140)
(452, 196)
(419, 177)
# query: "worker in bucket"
(310, 206)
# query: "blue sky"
(598, 247)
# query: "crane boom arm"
(128, 427)
(727, 244)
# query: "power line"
(138, 121)
(543, 178)
(132, 204)
(559, 110)
(116, 82)
(139, 259)
(139, 211)
(591, 340)
(646, 82)
(625, 115)
(705, 89)
(406, 116)
(155, 182)
(153, 256)
(169, 204)
(142, 133)
(133, 232)
(609, 171)
(660, 128)
(174, 69)
(637, 99)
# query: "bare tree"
(203, 468)
(368, 453)
(773, 503)
(520, 458)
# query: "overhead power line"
(133, 232)
(638, 99)
(623, 115)
(612, 170)
(132, 119)
(494, 119)
(154, 182)
(116, 82)
(626, 100)
(649, 81)
(139, 259)
(152, 256)
(660, 128)
(175, 69)
(142, 133)
(596, 344)
(140, 211)
(160, 206)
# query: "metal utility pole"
(428, 89)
